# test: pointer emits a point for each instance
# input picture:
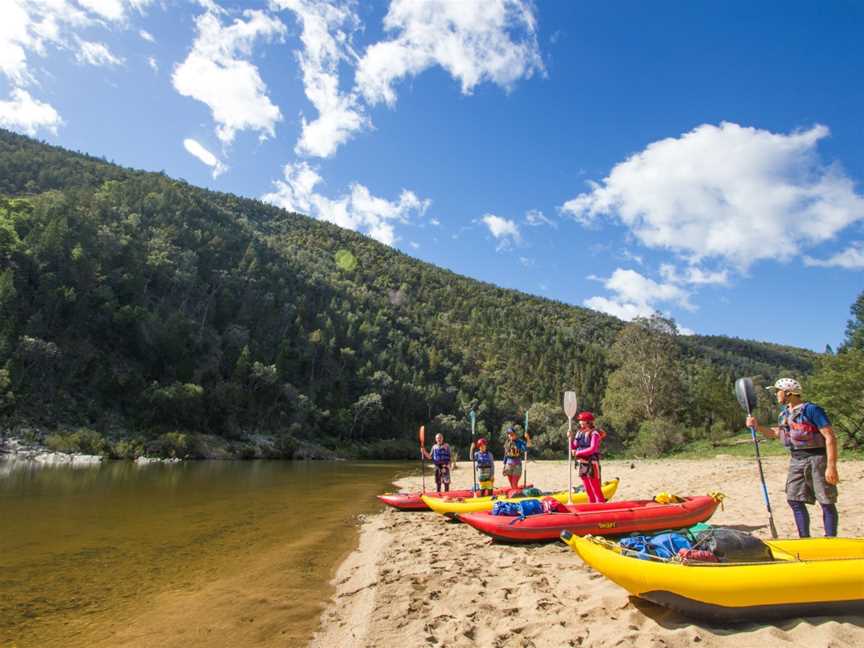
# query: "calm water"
(207, 553)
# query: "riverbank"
(416, 579)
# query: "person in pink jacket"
(585, 449)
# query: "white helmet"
(788, 385)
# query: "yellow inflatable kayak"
(444, 505)
(808, 577)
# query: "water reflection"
(84, 546)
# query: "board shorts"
(485, 477)
(805, 481)
(513, 469)
(442, 474)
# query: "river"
(208, 553)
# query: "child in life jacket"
(485, 463)
(440, 458)
(514, 449)
(585, 448)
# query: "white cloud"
(326, 38)
(154, 65)
(414, 245)
(434, 221)
(693, 275)
(95, 54)
(112, 10)
(528, 262)
(637, 296)
(535, 217)
(504, 230)
(147, 36)
(357, 210)
(216, 73)
(26, 114)
(727, 192)
(197, 149)
(852, 258)
(493, 40)
(29, 27)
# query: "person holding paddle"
(485, 464)
(804, 428)
(440, 458)
(585, 449)
(514, 449)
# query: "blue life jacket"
(483, 459)
(797, 432)
(441, 455)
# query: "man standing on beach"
(440, 457)
(804, 428)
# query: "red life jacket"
(797, 432)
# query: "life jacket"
(483, 459)
(441, 455)
(512, 454)
(582, 440)
(797, 432)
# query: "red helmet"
(585, 416)
(481, 441)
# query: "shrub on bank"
(657, 437)
(83, 440)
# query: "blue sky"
(703, 160)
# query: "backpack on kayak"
(530, 507)
(731, 545)
(662, 545)
(510, 509)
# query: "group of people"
(584, 450)
(803, 427)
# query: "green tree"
(646, 383)
(855, 326)
(837, 386)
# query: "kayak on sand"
(602, 518)
(413, 501)
(456, 505)
(805, 577)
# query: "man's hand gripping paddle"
(746, 394)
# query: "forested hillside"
(143, 313)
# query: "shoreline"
(417, 579)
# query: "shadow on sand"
(672, 620)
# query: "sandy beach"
(417, 579)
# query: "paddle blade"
(526, 427)
(422, 436)
(571, 406)
(745, 393)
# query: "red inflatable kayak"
(412, 501)
(608, 518)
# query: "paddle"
(422, 448)
(527, 441)
(570, 408)
(473, 417)
(746, 395)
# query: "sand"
(418, 580)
